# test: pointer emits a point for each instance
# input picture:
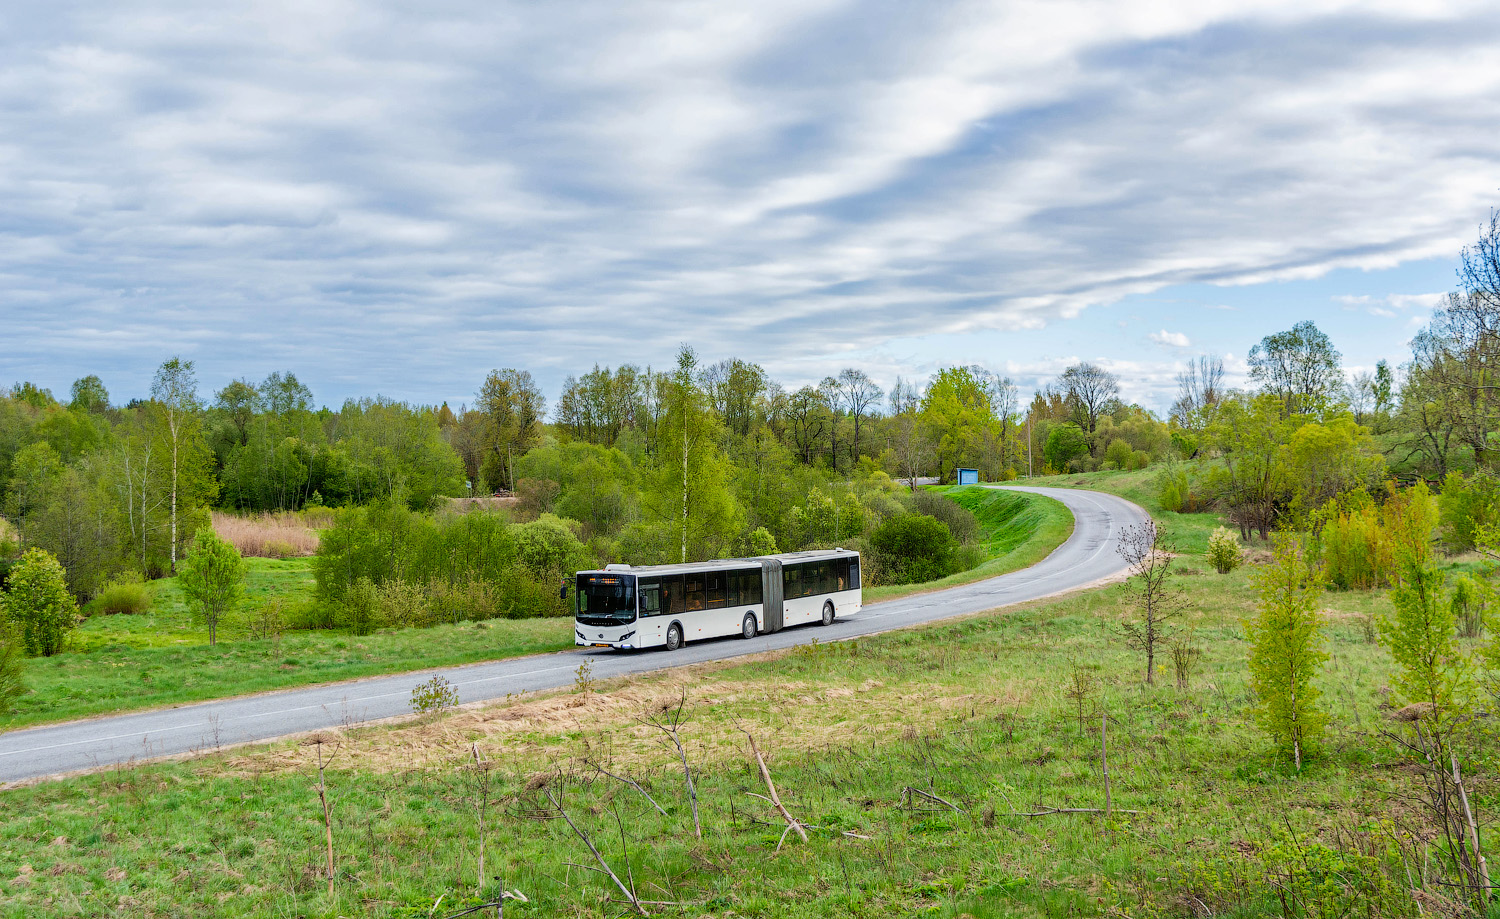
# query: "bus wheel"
(747, 628)
(674, 637)
(828, 614)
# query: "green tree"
(213, 578)
(38, 603)
(89, 395)
(687, 495)
(174, 396)
(1299, 367)
(512, 408)
(1431, 669)
(1066, 443)
(1286, 649)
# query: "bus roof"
(726, 564)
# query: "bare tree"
(906, 403)
(1150, 560)
(1200, 388)
(1090, 388)
(861, 395)
(1359, 392)
(833, 397)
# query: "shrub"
(961, 523)
(268, 620)
(913, 548)
(212, 579)
(125, 596)
(1119, 453)
(433, 696)
(1360, 542)
(359, 611)
(12, 667)
(1469, 602)
(1466, 506)
(1175, 491)
(1140, 459)
(1224, 550)
(757, 542)
(38, 603)
(403, 605)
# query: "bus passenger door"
(770, 585)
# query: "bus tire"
(828, 613)
(747, 628)
(674, 637)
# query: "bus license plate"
(600, 644)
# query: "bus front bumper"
(604, 637)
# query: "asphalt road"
(1088, 555)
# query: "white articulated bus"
(663, 606)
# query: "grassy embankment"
(160, 657)
(993, 715)
(1015, 530)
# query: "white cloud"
(1392, 305)
(552, 185)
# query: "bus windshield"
(606, 598)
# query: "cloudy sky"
(396, 198)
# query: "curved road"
(1088, 556)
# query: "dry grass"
(282, 535)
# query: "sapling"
(1286, 649)
(1149, 559)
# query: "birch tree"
(174, 393)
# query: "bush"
(1140, 459)
(1175, 491)
(38, 603)
(359, 611)
(1119, 453)
(433, 696)
(1466, 506)
(1469, 602)
(125, 596)
(12, 667)
(961, 523)
(913, 548)
(1066, 448)
(1360, 542)
(1224, 550)
(403, 605)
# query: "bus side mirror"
(563, 594)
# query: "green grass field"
(910, 753)
(120, 663)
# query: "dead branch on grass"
(628, 781)
(908, 792)
(765, 773)
(628, 892)
(668, 725)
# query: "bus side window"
(650, 598)
(672, 585)
(853, 574)
(695, 591)
(795, 581)
(715, 597)
(752, 590)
